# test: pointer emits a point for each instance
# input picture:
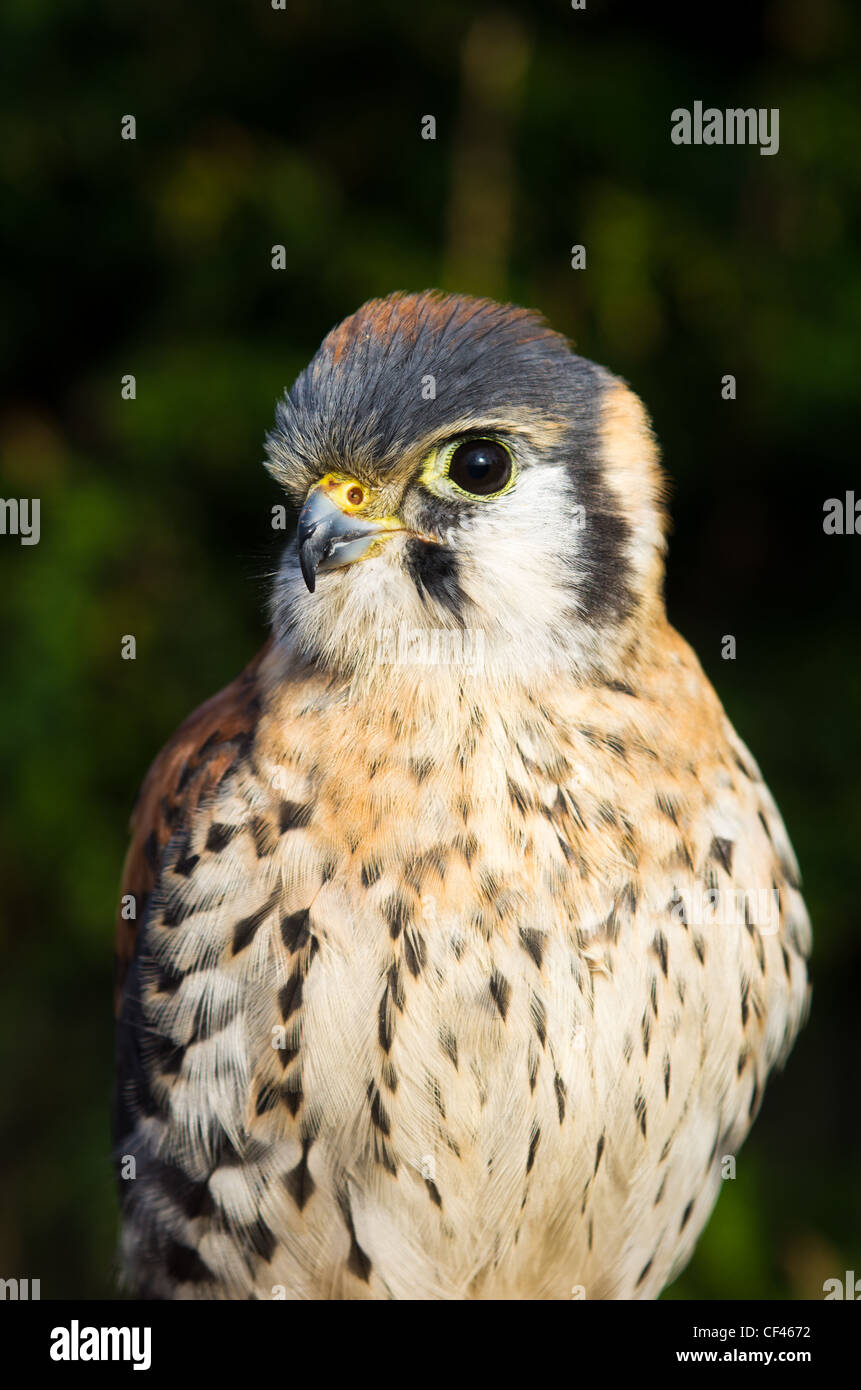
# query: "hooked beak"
(330, 532)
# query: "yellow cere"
(347, 494)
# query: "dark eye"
(480, 466)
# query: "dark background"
(256, 127)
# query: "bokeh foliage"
(256, 127)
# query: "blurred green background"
(257, 127)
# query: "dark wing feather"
(186, 771)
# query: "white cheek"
(514, 554)
(516, 558)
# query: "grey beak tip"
(307, 570)
(327, 538)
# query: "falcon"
(465, 932)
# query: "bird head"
(466, 486)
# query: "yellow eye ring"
(479, 466)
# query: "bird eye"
(480, 467)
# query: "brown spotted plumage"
(202, 751)
(468, 932)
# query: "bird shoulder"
(187, 770)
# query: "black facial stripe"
(603, 592)
(601, 585)
(435, 572)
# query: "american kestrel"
(467, 930)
